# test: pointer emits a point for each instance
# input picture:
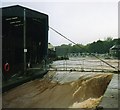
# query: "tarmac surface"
(111, 96)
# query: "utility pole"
(25, 50)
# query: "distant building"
(51, 47)
(115, 51)
(51, 52)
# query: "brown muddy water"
(60, 90)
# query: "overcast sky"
(82, 22)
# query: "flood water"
(85, 63)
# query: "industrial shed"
(24, 39)
(115, 51)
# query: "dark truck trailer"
(24, 39)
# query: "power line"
(81, 47)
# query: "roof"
(115, 47)
(9, 8)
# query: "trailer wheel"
(6, 67)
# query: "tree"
(100, 47)
(108, 39)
